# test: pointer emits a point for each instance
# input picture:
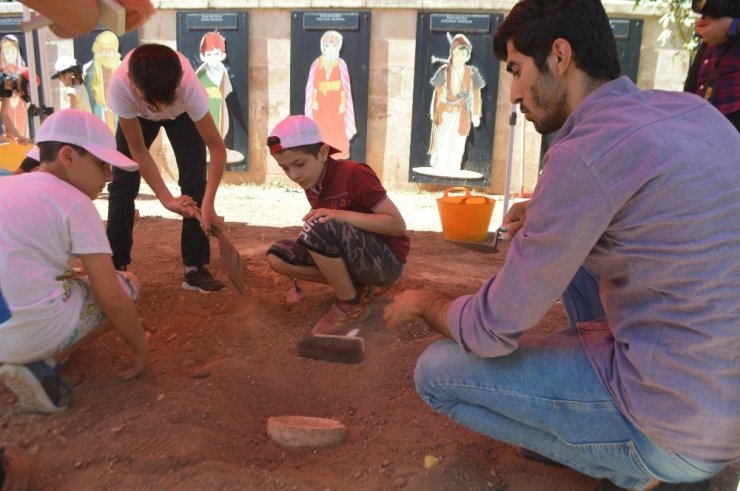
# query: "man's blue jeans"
(546, 397)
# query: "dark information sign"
(347, 21)
(212, 20)
(460, 22)
(10, 24)
(620, 28)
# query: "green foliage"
(677, 23)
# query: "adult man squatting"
(643, 387)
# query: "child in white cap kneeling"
(49, 219)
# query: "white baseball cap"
(85, 130)
(296, 131)
(62, 64)
(34, 153)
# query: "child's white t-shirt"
(80, 93)
(191, 96)
(45, 223)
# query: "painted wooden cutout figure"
(329, 95)
(214, 77)
(11, 61)
(456, 105)
(98, 73)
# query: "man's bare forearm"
(434, 312)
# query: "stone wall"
(391, 75)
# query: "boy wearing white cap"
(54, 309)
(353, 238)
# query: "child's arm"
(217, 151)
(72, 98)
(183, 205)
(117, 306)
(385, 219)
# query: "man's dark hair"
(48, 150)
(156, 71)
(312, 149)
(533, 25)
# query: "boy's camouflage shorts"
(368, 259)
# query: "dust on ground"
(221, 365)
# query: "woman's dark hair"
(312, 149)
(48, 150)
(156, 71)
(76, 72)
(21, 86)
(533, 25)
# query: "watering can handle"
(457, 189)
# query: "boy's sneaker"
(37, 385)
(201, 280)
(340, 316)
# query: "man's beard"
(549, 97)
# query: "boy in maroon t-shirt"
(353, 238)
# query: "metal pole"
(45, 74)
(521, 163)
(31, 61)
(509, 157)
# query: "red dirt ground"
(221, 365)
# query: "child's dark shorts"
(368, 259)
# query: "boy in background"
(353, 237)
(54, 309)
